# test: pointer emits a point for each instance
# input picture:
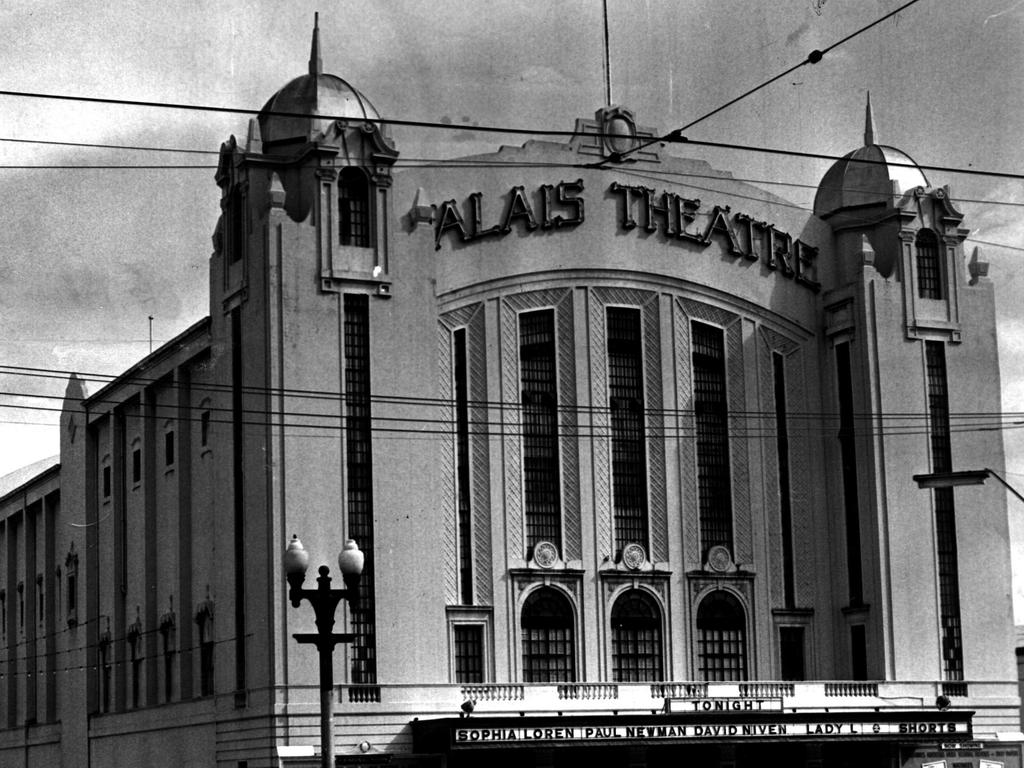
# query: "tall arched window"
(929, 271)
(721, 638)
(354, 208)
(636, 639)
(549, 648)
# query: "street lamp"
(963, 477)
(324, 601)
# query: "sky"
(87, 255)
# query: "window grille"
(711, 414)
(360, 481)
(538, 380)
(353, 208)
(548, 643)
(721, 638)
(626, 402)
(929, 271)
(636, 639)
(469, 653)
(945, 517)
(462, 467)
(848, 455)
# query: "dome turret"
(301, 110)
(866, 176)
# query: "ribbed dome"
(865, 175)
(313, 94)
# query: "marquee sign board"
(698, 726)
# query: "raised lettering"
(719, 225)
(627, 221)
(568, 192)
(450, 219)
(476, 207)
(518, 208)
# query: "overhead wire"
(398, 400)
(812, 58)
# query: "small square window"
(169, 448)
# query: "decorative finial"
(316, 64)
(869, 124)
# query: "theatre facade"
(629, 444)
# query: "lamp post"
(964, 477)
(324, 601)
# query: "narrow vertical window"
(945, 517)
(636, 639)
(71, 571)
(538, 380)
(106, 482)
(205, 622)
(42, 602)
(136, 465)
(169, 448)
(236, 214)
(204, 429)
(626, 402)
(858, 653)
(3, 612)
(106, 673)
(136, 662)
(549, 648)
(167, 631)
(929, 271)
(711, 414)
(791, 653)
(359, 467)
(848, 456)
(785, 508)
(354, 208)
(462, 467)
(469, 653)
(21, 605)
(722, 638)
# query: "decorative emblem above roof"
(612, 133)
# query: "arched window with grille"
(721, 638)
(636, 639)
(549, 647)
(354, 208)
(929, 269)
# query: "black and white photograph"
(523, 384)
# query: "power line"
(742, 424)
(412, 400)
(812, 58)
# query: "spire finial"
(869, 124)
(316, 64)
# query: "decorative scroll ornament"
(719, 559)
(633, 556)
(545, 554)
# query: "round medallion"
(633, 556)
(719, 558)
(545, 554)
